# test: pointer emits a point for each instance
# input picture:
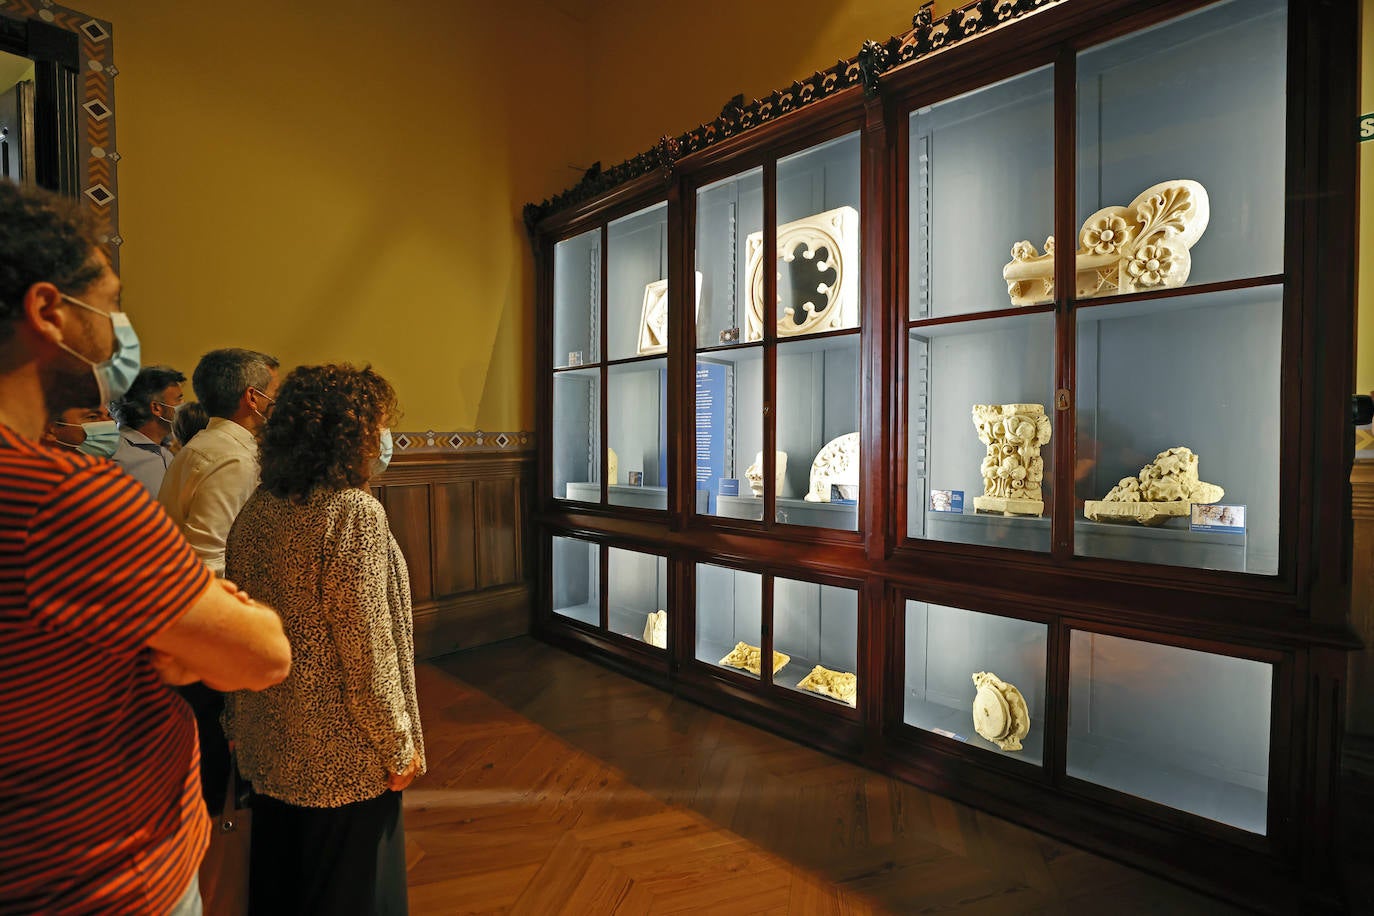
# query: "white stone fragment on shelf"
(836, 274)
(1012, 469)
(656, 629)
(754, 473)
(1130, 249)
(1000, 713)
(837, 464)
(838, 685)
(1166, 488)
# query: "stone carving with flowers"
(1013, 469)
(1130, 249)
(837, 464)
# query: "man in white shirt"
(211, 478)
(145, 416)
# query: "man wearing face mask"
(88, 430)
(101, 604)
(145, 416)
(210, 479)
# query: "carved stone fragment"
(656, 629)
(838, 685)
(1128, 249)
(1012, 469)
(1000, 713)
(749, 658)
(836, 464)
(1164, 489)
(828, 245)
(754, 473)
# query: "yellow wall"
(660, 69)
(341, 180)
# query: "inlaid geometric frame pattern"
(97, 152)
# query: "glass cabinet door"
(729, 618)
(980, 390)
(637, 596)
(729, 369)
(577, 300)
(977, 678)
(576, 580)
(817, 384)
(1176, 726)
(816, 636)
(1179, 311)
(637, 284)
(637, 426)
(576, 441)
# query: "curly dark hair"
(136, 407)
(43, 238)
(325, 430)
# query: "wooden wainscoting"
(1359, 717)
(462, 520)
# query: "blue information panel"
(712, 381)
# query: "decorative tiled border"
(99, 184)
(1364, 442)
(430, 442)
(926, 36)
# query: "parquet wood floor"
(557, 786)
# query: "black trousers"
(346, 861)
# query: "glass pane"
(577, 580)
(637, 423)
(729, 617)
(577, 300)
(1199, 99)
(637, 596)
(1200, 373)
(949, 651)
(818, 244)
(577, 434)
(637, 283)
(728, 213)
(981, 179)
(1175, 726)
(818, 432)
(817, 628)
(729, 432)
(1005, 366)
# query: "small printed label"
(729, 486)
(729, 335)
(947, 501)
(1226, 519)
(948, 734)
(635, 478)
(575, 358)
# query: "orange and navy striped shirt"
(100, 805)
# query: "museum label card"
(1225, 519)
(947, 501)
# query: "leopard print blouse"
(347, 713)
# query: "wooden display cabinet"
(1184, 687)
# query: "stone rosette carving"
(836, 464)
(836, 305)
(1012, 469)
(754, 473)
(1136, 248)
(1000, 713)
(1165, 488)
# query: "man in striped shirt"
(102, 604)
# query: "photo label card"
(1216, 517)
(947, 501)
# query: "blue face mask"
(102, 438)
(115, 374)
(384, 458)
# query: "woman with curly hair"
(330, 748)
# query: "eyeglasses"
(271, 401)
